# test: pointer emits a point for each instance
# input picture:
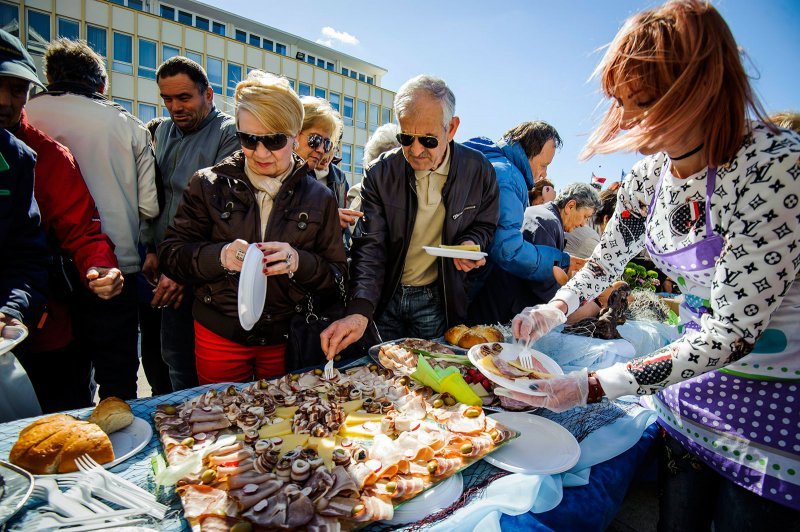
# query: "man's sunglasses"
(274, 142)
(316, 140)
(427, 141)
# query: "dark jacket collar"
(71, 87)
(233, 167)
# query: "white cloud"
(325, 42)
(341, 36)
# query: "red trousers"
(222, 360)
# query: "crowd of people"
(131, 239)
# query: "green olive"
(438, 403)
(188, 442)
(212, 392)
(170, 410)
(494, 435)
(372, 367)
(432, 465)
(231, 390)
(472, 411)
(466, 448)
(402, 381)
(391, 487)
(449, 401)
(208, 476)
(317, 371)
(295, 377)
(242, 526)
(357, 509)
(262, 384)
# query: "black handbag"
(303, 347)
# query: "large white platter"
(18, 487)
(543, 448)
(454, 253)
(429, 502)
(511, 352)
(129, 441)
(252, 288)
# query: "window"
(320, 93)
(123, 54)
(291, 84)
(218, 28)
(255, 40)
(362, 77)
(311, 59)
(321, 63)
(201, 23)
(361, 114)
(147, 59)
(347, 115)
(214, 71)
(386, 117)
(197, 57)
(335, 100)
(9, 18)
(374, 114)
(267, 44)
(280, 48)
(305, 89)
(241, 36)
(330, 66)
(96, 38)
(165, 112)
(38, 30)
(345, 72)
(370, 80)
(347, 158)
(358, 164)
(354, 74)
(147, 112)
(68, 28)
(185, 18)
(168, 51)
(127, 104)
(234, 77)
(136, 4)
(168, 12)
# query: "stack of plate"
(252, 288)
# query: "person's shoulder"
(46, 147)
(472, 158)
(763, 144)
(14, 150)
(386, 161)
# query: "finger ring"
(240, 255)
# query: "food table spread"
(139, 467)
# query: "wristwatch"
(596, 393)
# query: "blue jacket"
(509, 250)
(24, 255)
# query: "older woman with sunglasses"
(261, 194)
(715, 202)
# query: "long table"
(590, 506)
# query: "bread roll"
(466, 337)
(51, 445)
(112, 414)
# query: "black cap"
(15, 61)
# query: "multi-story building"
(135, 36)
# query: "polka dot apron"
(743, 421)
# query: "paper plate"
(429, 502)
(511, 352)
(543, 447)
(129, 441)
(454, 253)
(11, 336)
(252, 288)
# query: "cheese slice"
(487, 364)
(290, 441)
(357, 418)
(352, 406)
(463, 248)
(360, 432)
(324, 447)
(286, 412)
(278, 429)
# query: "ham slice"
(208, 426)
(249, 477)
(458, 422)
(375, 509)
(206, 413)
(235, 456)
(343, 483)
(241, 467)
(265, 490)
(201, 500)
(362, 474)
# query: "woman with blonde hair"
(261, 194)
(716, 203)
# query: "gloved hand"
(561, 393)
(534, 322)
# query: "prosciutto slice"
(375, 509)
(343, 483)
(248, 500)
(458, 422)
(249, 477)
(201, 500)
(208, 426)
(235, 456)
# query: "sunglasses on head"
(315, 141)
(273, 142)
(427, 141)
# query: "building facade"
(135, 36)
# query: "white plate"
(543, 448)
(429, 501)
(11, 336)
(454, 253)
(511, 352)
(18, 487)
(129, 441)
(252, 288)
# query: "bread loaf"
(112, 414)
(51, 445)
(466, 337)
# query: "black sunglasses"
(427, 141)
(273, 142)
(316, 140)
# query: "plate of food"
(110, 435)
(499, 362)
(16, 486)
(456, 252)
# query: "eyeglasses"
(427, 141)
(316, 140)
(273, 142)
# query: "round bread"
(51, 445)
(466, 337)
(453, 335)
(112, 414)
(491, 334)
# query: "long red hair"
(684, 54)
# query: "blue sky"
(518, 60)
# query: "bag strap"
(310, 315)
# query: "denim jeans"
(177, 343)
(413, 312)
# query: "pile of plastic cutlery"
(75, 502)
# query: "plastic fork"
(328, 370)
(525, 356)
(86, 464)
(126, 499)
(47, 489)
(112, 519)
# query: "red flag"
(598, 181)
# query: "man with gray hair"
(433, 191)
(505, 294)
(112, 148)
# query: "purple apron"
(741, 420)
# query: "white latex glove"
(534, 322)
(562, 393)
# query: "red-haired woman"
(716, 203)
